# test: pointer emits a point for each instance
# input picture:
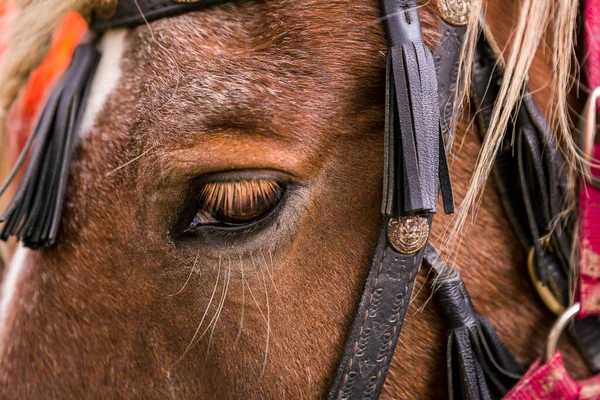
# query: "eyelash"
(236, 203)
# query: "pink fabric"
(588, 289)
(592, 41)
(551, 381)
(588, 286)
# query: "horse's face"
(169, 279)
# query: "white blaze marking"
(106, 78)
(16, 267)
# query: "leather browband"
(127, 14)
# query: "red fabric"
(551, 381)
(24, 112)
(588, 285)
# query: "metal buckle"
(589, 136)
(549, 299)
(558, 328)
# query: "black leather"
(446, 57)
(478, 363)
(35, 211)
(378, 322)
(529, 174)
(414, 114)
(402, 21)
(415, 163)
(533, 189)
(586, 334)
(128, 15)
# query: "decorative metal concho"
(407, 234)
(105, 8)
(455, 12)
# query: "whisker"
(252, 293)
(189, 276)
(173, 59)
(268, 332)
(129, 162)
(269, 271)
(243, 303)
(219, 306)
(212, 296)
(220, 309)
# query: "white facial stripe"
(107, 76)
(16, 267)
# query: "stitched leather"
(533, 189)
(411, 123)
(374, 334)
(128, 15)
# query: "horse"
(265, 117)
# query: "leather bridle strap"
(378, 321)
(130, 13)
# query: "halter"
(420, 93)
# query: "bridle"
(421, 88)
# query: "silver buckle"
(558, 328)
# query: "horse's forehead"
(244, 66)
(276, 68)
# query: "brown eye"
(236, 202)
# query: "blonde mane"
(534, 18)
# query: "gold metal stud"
(407, 234)
(105, 8)
(455, 12)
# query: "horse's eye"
(236, 203)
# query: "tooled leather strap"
(127, 14)
(378, 321)
(532, 186)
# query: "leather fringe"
(34, 213)
(479, 364)
(414, 124)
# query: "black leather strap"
(380, 315)
(446, 57)
(532, 185)
(378, 322)
(478, 363)
(127, 13)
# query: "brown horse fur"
(291, 90)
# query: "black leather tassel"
(34, 213)
(479, 364)
(412, 106)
